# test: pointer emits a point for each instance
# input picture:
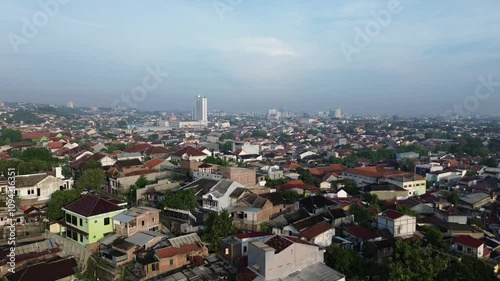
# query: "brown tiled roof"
(191, 151)
(246, 274)
(155, 150)
(315, 230)
(174, 251)
(392, 214)
(92, 205)
(153, 163)
(140, 147)
(31, 180)
(45, 271)
(321, 171)
(35, 135)
(469, 241)
(361, 232)
(280, 242)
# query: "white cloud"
(268, 46)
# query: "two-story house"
(88, 219)
(137, 219)
(468, 245)
(252, 210)
(217, 198)
(397, 223)
(281, 256)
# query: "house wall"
(97, 228)
(389, 195)
(47, 186)
(475, 252)
(125, 182)
(240, 175)
(403, 226)
(294, 258)
(414, 188)
(324, 239)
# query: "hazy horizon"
(253, 55)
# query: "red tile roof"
(321, 171)
(246, 274)
(92, 205)
(153, 163)
(191, 151)
(469, 241)
(280, 242)
(56, 144)
(140, 147)
(392, 214)
(361, 232)
(174, 251)
(375, 172)
(35, 135)
(315, 230)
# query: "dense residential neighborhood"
(116, 194)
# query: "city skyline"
(291, 55)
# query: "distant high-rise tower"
(71, 104)
(200, 110)
(338, 113)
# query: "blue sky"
(257, 55)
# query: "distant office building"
(71, 104)
(273, 114)
(200, 110)
(2, 104)
(336, 113)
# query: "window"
(244, 249)
(226, 251)
(81, 222)
(81, 238)
(73, 220)
(69, 233)
(171, 261)
(142, 222)
(68, 218)
(153, 219)
(106, 221)
(154, 267)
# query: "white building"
(217, 199)
(201, 110)
(397, 223)
(37, 188)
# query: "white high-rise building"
(200, 110)
(338, 113)
(71, 104)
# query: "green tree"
(272, 183)
(216, 161)
(407, 211)
(435, 238)
(305, 176)
(141, 182)
(351, 264)
(350, 187)
(467, 268)
(93, 179)
(453, 197)
(371, 199)
(217, 225)
(10, 136)
(361, 214)
(58, 200)
(92, 164)
(182, 199)
(490, 162)
(410, 262)
(334, 160)
(35, 153)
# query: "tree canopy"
(182, 199)
(58, 200)
(216, 161)
(410, 262)
(93, 179)
(218, 225)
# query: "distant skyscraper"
(71, 104)
(200, 110)
(338, 113)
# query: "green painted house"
(89, 218)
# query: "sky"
(366, 57)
